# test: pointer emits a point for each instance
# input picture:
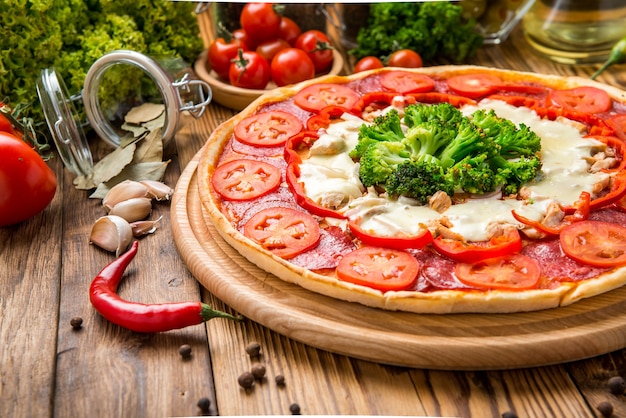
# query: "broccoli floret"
(445, 113)
(418, 180)
(387, 127)
(380, 161)
(513, 174)
(469, 140)
(514, 142)
(473, 175)
(426, 139)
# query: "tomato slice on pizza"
(283, 231)
(509, 272)
(317, 96)
(600, 244)
(245, 179)
(268, 129)
(405, 82)
(474, 85)
(384, 269)
(585, 99)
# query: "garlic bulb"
(128, 189)
(133, 209)
(111, 233)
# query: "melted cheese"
(564, 176)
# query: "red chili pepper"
(141, 317)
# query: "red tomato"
(318, 46)
(5, 123)
(468, 252)
(405, 58)
(400, 242)
(245, 179)
(221, 53)
(249, 70)
(582, 99)
(316, 97)
(242, 36)
(284, 232)
(290, 66)
(27, 183)
(368, 63)
(596, 243)
(260, 21)
(269, 49)
(289, 30)
(509, 272)
(268, 129)
(474, 85)
(384, 269)
(405, 82)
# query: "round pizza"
(435, 190)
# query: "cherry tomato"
(596, 243)
(260, 21)
(245, 179)
(582, 99)
(405, 82)
(316, 97)
(221, 53)
(509, 272)
(269, 49)
(5, 123)
(284, 232)
(368, 63)
(405, 58)
(384, 269)
(318, 46)
(242, 36)
(290, 66)
(289, 30)
(474, 85)
(268, 129)
(399, 242)
(249, 70)
(467, 252)
(27, 183)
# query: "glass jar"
(575, 31)
(108, 95)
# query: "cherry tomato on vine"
(249, 70)
(290, 66)
(317, 46)
(221, 53)
(405, 58)
(269, 49)
(27, 183)
(368, 63)
(289, 30)
(241, 35)
(260, 21)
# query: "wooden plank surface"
(46, 369)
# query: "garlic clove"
(133, 209)
(141, 228)
(158, 190)
(111, 233)
(124, 190)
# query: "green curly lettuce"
(70, 35)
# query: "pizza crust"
(437, 302)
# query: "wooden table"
(49, 369)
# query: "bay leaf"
(107, 168)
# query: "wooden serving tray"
(587, 328)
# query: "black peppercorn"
(76, 322)
(185, 350)
(294, 408)
(617, 385)
(246, 380)
(605, 408)
(253, 349)
(258, 371)
(280, 380)
(204, 404)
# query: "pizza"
(448, 189)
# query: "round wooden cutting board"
(587, 328)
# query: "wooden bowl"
(238, 98)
